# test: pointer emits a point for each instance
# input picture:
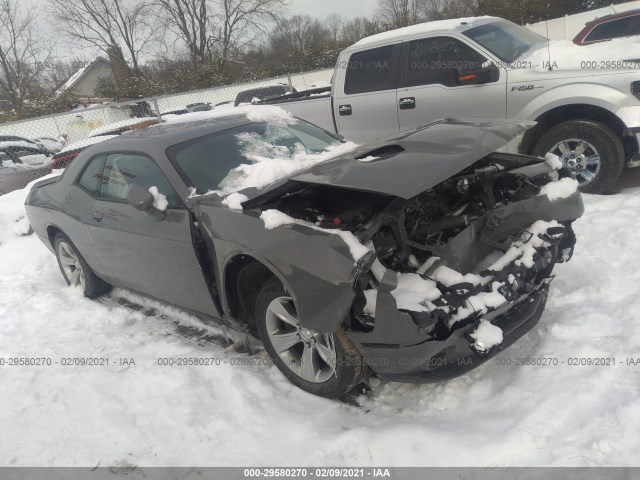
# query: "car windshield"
(252, 155)
(505, 39)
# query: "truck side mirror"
(488, 74)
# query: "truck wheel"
(324, 364)
(590, 149)
(75, 269)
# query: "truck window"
(371, 71)
(436, 60)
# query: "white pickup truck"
(585, 100)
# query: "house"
(84, 81)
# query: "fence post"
(157, 109)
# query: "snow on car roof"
(121, 124)
(459, 24)
(85, 142)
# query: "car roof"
(613, 16)
(444, 26)
(174, 133)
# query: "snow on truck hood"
(410, 163)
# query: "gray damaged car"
(415, 258)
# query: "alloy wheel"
(71, 265)
(309, 354)
(580, 157)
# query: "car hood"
(410, 163)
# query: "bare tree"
(334, 23)
(110, 25)
(298, 34)
(190, 21)
(217, 28)
(23, 54)
(399, 13)
(236, 20)
(442, 9)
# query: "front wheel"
(590, 149)
(324, 364)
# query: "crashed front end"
(463, 270)
(454, 273)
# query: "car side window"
(437, 60)
(371, 71)
(90, 177)
(622, 27)
(123, 169)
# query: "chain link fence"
(32, 148)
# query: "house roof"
(80, 73)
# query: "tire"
(608, 147)
(75, 269)
(349, 366)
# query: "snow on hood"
(566, 55)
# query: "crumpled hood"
(412, 162)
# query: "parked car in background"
(487, 67)
(47, 145)
(618, 25)
(123, 126)
(416, 258)
(20, 163)
(65, 156)
(263, 93)
(50, 144)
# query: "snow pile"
(272, 115)
(522, 250)
(599, 57)
(371, 299)
(487, 336)
(271, 161)
(235, 200)
(553, 161)
(370, 158)
(480, 303)
(275, 218)
(248, 414)
(563, 188)
(415, 293)
(159, 200)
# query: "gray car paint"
(316, 268)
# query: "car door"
(437, 79)
(366, 109)
(142, 252)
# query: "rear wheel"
(75, 269)
(590, 149)
(325, 364)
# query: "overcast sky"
(321, 8)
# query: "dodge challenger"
(415, 258)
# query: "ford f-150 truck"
(587, 109)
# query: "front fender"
(315, 267)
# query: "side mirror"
(142, 199)
(478, 76)
(139, 198)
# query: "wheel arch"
(243, 276)
(577, 111)
(52, 232)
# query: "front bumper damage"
(415, 347)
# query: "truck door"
(364, 103)
(445, 77)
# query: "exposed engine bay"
(452, 237)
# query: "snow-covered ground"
(228, 414)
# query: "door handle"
(344, 110)
(97, 216)
(407, 103)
